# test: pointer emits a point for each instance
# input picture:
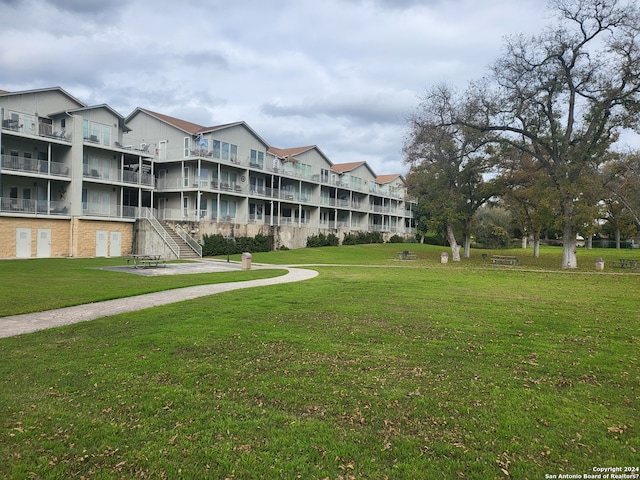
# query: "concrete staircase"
(186, 252)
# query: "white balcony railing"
(109, 211)
(33, 207)
(113, 175)
(29, 124)
(32, 165)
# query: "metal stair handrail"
(170, 242)
(192, 242)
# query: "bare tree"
(562, 98)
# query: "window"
(216, 149)
(256, 185)
(228, 208)
(204, 177)
(234, 153)
(106, 135)
(257, 159)
(162, 150)
(99, 202)
(255, 211)
(305, 193)
(303, 170)
(187, 145)
(214, 208)
(95, 132)
(228, 179)
(225, 151)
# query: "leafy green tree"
(421, 216)
(493, 226)
(447, 163)
(622, 182)
(526, 191)
(619, 221)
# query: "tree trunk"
(589, 242)
(524, 242)
(569, 242)
(467, 246)
(536, 244)
(455, 248)
(466, 239)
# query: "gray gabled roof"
(42, 90)
(193, 128)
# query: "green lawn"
(377, 369)
(41, 284)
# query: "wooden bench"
(628, 263)
(504, 260)
(406, 255)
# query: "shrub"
(219, 245)
(322, 240)
(362, 238)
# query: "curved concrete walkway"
(31, 322)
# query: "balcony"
(109, 211)
(113, 175)
(380, 209)
(32, 125)
(32, 165)
(33, 207)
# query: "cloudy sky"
(340, 74)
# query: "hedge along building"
(79, 180)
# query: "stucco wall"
(147, 240)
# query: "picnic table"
(504, 260)
(628, 263)
(143, 260)
(406, 255)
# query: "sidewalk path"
(31, 322)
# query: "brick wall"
(73, 237)
(85, 231)
(59, 235)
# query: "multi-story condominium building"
(79, 180)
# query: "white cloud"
(340, 74)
